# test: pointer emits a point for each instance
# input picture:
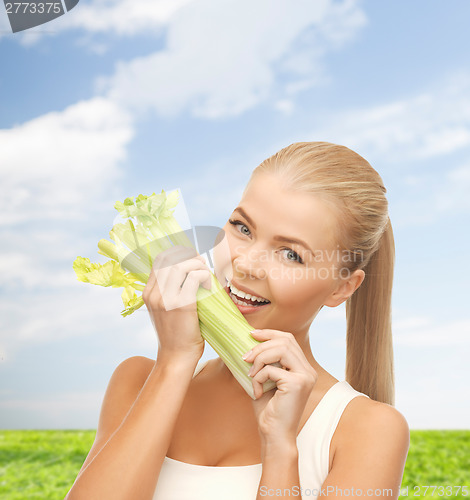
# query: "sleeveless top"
(183, 481)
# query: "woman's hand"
(280, 410)
(170, 297)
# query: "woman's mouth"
(245, 302)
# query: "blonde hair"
(344, 179)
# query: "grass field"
(44, 464)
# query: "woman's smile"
(246, 300)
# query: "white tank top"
(184, 481)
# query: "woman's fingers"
(277, 353)
(284, 346)
(279, 347)
(269, 372)
(267, 334)
(193, 280)
(149, 286)
(172, 279)
(295, 382)
(159, 263)
(169, 271)
(169, 259)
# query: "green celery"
(150, 229)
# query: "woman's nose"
(250, 264)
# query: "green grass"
(41, 464)
(44, 464)
(438, 458)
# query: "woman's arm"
(371, 456)
(280, 471)
(138, 414)
(368, 463)
(141, 405)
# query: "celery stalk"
(150, 229)
(226, 330)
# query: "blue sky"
(122, 97)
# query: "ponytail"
(341, 176)
(369, 347)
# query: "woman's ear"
(345, 289)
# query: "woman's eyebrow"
(278, 237)
(242, 212)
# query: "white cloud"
(51, 404)
(46, 317)
(220, 58)
(410, 323)
(337, 22)
(334, 314)
(39, 256)
(286, 106)
(55, 411)
(223, 58)
(57, 172)
(452, 196)
(433, 197)
(461, 174)
(214, 183)
(406, 135)
(424, 332)
(122, 17)
(51, 166)
(429, 391)
(434, 404)
(21, 271)
(4, 25)
(53, 316)
(434, 123)
(118, 17)
(76, 310)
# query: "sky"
(122, 97)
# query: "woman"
(312, 229)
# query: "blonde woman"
(311, 230)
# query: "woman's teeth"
(249, 299)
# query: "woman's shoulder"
(132, 372)
(136, 364)
(135, 370)
(364, 414)
(368, 426)
(125, 383)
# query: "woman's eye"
(293, 256)
(243, 228)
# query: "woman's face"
(280, 246)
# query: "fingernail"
(246, 354)
(250, 372)
(254, 331)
